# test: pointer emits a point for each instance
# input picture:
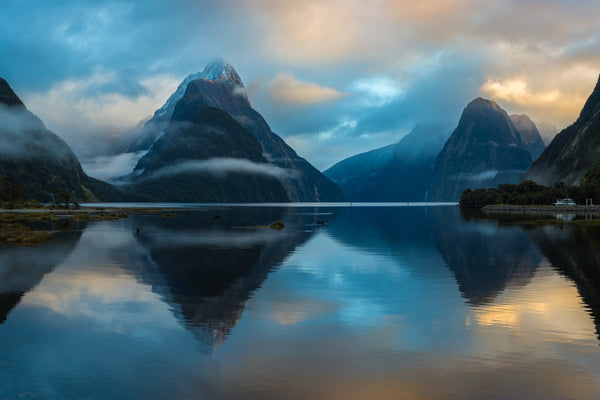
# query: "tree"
(65, 196)
(11, 190)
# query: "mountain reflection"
(22, 268)
(210, 263)
(574, 251)
(485, 258)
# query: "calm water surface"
(343, 303)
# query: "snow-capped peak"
(220, 70)
(216, 70)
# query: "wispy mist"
(222, 167)
(109, 168)
(23, 135)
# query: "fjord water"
(343, 302)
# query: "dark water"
(374, 303)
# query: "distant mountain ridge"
(219, 86)
(397, 172)
(574, 151)
(485, 150)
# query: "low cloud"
(97, 124)
(109, 168)
(23, 135)
(222, 167)
(377, 91)
(289, 90)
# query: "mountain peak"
(8, 96)
(220, 70)
(481, 103)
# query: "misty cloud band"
(224, 166)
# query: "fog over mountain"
(204, 126)
(38, 159)
(398, 172)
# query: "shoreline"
(520, 209)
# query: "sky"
(333, 78)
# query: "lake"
(395, 302)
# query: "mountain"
(219, 86)
(206, 156)
(574, 151)
(529, 134)
(41, 161)
(484, 150)
(398, 172)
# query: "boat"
(565, 202)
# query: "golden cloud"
(287, 89)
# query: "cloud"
(434, 56)
(109, 168)
(23, 135)
(90, 116)
(289, 90)
(377, 91)
(222, 167)
(557, 98)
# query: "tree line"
(530, 193)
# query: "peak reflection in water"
(210, 263)
(485, 258)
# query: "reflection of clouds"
(552, 306)
(245, 237)
(344, 259)
(89, 284)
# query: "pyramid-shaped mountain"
(37, 158)
(219, 86)
(485, 150)
(574, 151)
(204, 155)
(399, 172)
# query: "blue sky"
(333, 78)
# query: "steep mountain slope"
(529, 134)
(206, 156)
(40, 160)
(219, 86)
(398, 172)
(574, 151)
(484, 151)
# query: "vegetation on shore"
(17, 234)
(530, 193)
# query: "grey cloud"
(23, 135)
(222, 167)
(110, 168)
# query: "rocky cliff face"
(39, 159)
(574, 151)
(484, 151)
(398, 172)
(219, 86)
(529, 134)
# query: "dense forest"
(531, 193)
